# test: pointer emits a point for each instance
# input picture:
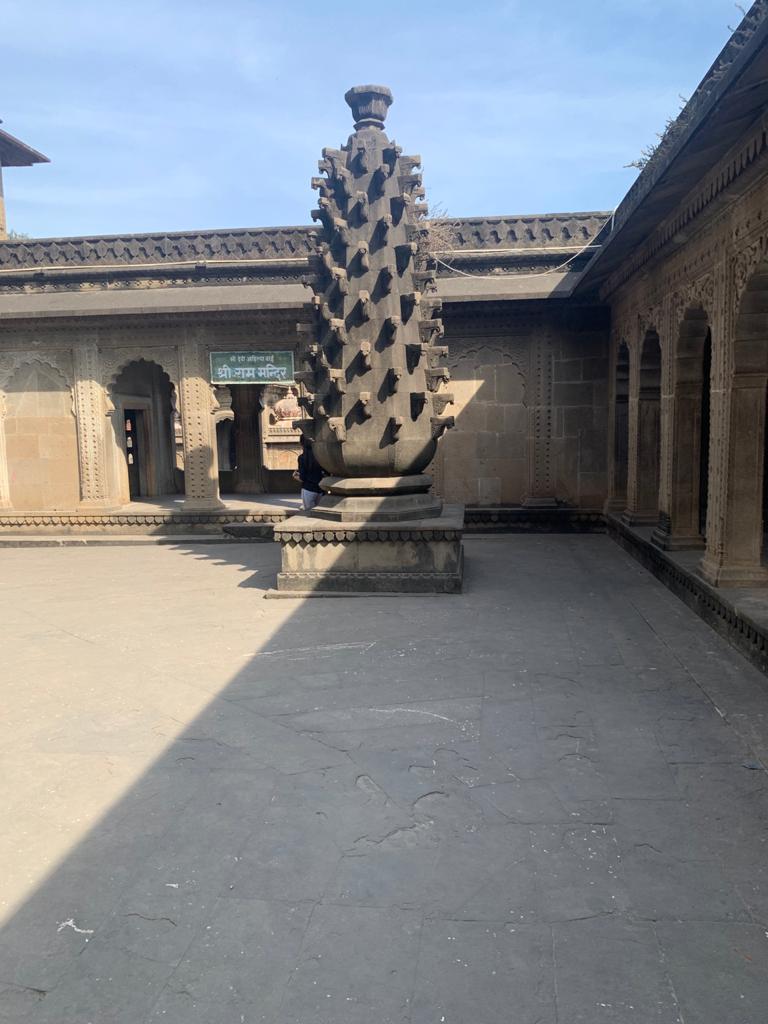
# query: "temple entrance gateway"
(257, 404)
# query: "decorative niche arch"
(60, 363)
(40, 443)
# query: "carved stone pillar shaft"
(201, 473)
(680, 511)
(734, 552)
(618, 433)
(89, 414)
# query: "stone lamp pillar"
(376, 406)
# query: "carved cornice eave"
(701, 204)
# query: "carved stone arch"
(153, 394)
(14, 361)
(745, 263)
(114, 361)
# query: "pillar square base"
(639, 518)
(733, 575)
(420, 556)
(202, 505)
(674, 542)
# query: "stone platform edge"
(720, 609)
(415, 556)
(16, 525)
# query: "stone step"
(111, 540)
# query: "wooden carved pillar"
(90, 419)
(541, 486)
(201, 472)
(5, 486)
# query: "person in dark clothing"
(310, 473)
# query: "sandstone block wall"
(531, 408)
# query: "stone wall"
(529, 383)
(531, 407)
(41, 439)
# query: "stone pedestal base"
(321, 558)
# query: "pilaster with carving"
(541, 486)
(90, 418)
(669, 318)
(633, 433)
(198, 405)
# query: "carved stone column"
(734, 552)
(618, 431)
(633, 405)
(201, 473)
(644, 444)
(5, 487)
(679, 517)
(90, 418)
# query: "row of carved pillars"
(201, 477)
(689, 435)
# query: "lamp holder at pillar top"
(369, 105)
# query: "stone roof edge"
(727, 66)
(300, 229)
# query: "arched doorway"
(683, 523)
(144, 426)
(648, 448)
(621, 428)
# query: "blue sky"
(170, 115)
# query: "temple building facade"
(609, 369)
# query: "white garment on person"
(309, 499)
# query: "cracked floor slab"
(544, 799)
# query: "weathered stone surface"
(207, 815)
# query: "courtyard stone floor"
(541, 802)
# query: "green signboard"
(252, 368)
